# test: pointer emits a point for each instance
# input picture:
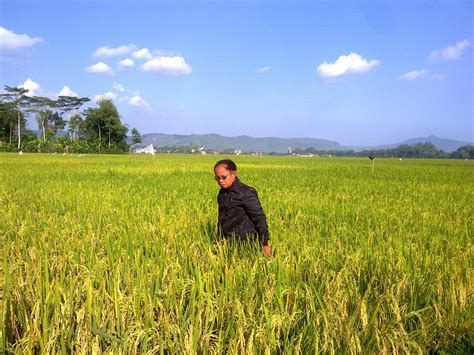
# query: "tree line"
(418, 150)
(100, 130)
(94, 130)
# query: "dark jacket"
(241, 214)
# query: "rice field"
(120, 254)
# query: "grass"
(119, 254)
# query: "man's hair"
(227, 163)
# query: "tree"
(74, 124)
(136, 137)
(17, 101)
(8, 119)
(464, 152)
(70, 105)
(418, 150)
(105, 121)
(42, 117)
(42, 106)
(51, 123)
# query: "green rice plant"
(120, 254)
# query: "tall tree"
(136, 137)
(69, 105)
(42, 118)
(104, 121)
(17, 101)
(43, 107)
(74, 124)
(8, 118)
(50, 122)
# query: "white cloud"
(107, 52)
(452, 52)
(172, 66)
(106, 96)
(10, 40)
(100, 67)
(136, 100)
(263, 69)
(345, 64)
(66, 91)
(412, 75)
(126, 63)
(118, 87)
(33, 87)
(143, 53)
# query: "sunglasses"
(219, 178)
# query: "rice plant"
(120, 254)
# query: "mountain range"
(279, 145)
(448, 145)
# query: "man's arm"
(257, 216)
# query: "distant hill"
(214, 141)
(244, 143)
(448, 145)
(280, 145)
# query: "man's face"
(224, 177)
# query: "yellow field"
(120, 254)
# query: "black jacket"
(241, 214)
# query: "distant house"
(147, 150)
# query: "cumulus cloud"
(106, 96)
(33, 87)
(173, 66)
(154, 61)
(452, 52)
(412, 75)
(66, 91)
(263, 69)
(346, 64)
(13, 45)
(126, 63)
(100, 67)
(118, 87)
(108, 52)
(10, 40)
(143, 54)
(136, 100)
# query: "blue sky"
(359, 73)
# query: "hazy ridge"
(214, 141)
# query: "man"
(240, 212)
